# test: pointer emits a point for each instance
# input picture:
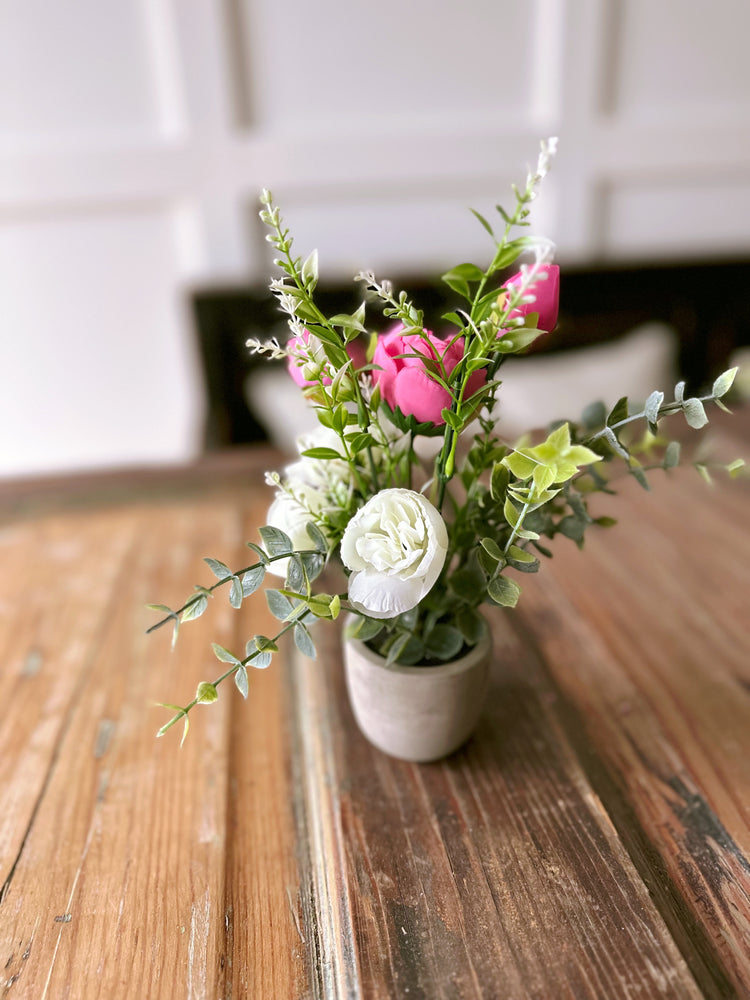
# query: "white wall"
(135, 135)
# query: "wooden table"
(592, 840)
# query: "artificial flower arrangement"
(424, 542)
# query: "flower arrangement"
(424, 536)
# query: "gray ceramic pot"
(417, 713)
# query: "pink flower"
(300, 366)
(405, 383)
(546, 291)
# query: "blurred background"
(135, 136)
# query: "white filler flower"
(293, 518)
(395, 547)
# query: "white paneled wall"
(135, 135)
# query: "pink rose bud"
(405, 383)
(301, 368)
(546, 292)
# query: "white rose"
(396, 547)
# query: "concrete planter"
(417, 713)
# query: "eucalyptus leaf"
(672, 455)
(240, 680)
(504, 591)
(195, 609)
(444, 642)
(317, 537)
(276, 541)
(219, 570)
(235, 594)
(252, 579)
(303, 641)
(695, 413)
(723, 383)
(223, 654)
(652, 405)
(280, 606)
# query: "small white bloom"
(395, 546)
(291, 516)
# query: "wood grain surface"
(591, 840)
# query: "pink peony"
(405, 383)
(356, 351)
(546, 291)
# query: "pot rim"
(449, 667)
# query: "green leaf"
(280, 606)
(615, 445)
(261, 660)
(262, 643)
(219, 570)
(223, 654)
(466, 272)
(651, 407)
(396, 647)
(276, 541)
(326, 454)
(491, 547)
(262, 556)
(458, 285)
(317, 537)
(295, 574)
(734, 468)
(511, 514)
(594, 416)
(452, 419)
(499, 481)
(679, 392)
(195, 609)
(483, 221)
(235, 594)
(164, 609)
(672, 455)
(252, 580)
(471, 625)
(310, 269)
(347, 322)
(364, 629)
(521, 555)
(723, 383)
(618, 412)
(695, 413)
(206, 693)
(504, 591)
(303, 641)
(640, 476)
(240, 679)
(454, 318)
(444, 642)
(359, 441)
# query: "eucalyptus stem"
(220, 583)
(185, 710)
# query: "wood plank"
(55, 592)
(267, 941)
(119, 888)
(496, 873)
(646, 635)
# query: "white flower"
(396, 547)
(292, 517)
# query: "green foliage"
(502, 505)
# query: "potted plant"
(424, 537)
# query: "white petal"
(384, 596)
